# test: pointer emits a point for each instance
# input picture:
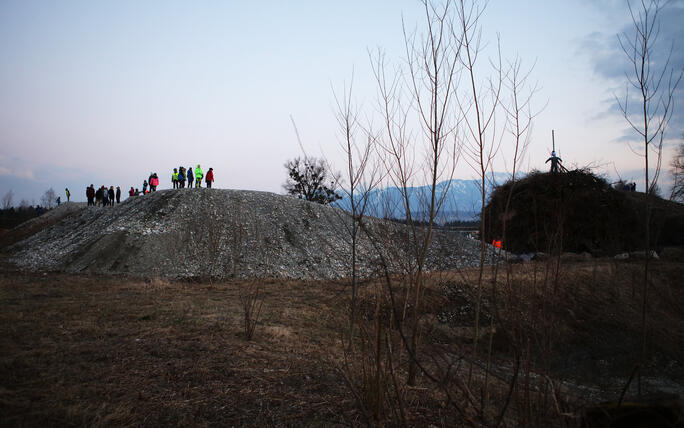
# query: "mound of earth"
(36, 224)
(578, 211)
(218, 233)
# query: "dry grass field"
(79, 350)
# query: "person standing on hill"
(111, 194)
(144, 187)
(191, 176)
(68, 193)
(555, 162)
(210, 177)
(90, 195)
(98, 196)
(181, 177)
(174, 178)
(198, 176)
(154, 182)
(131, 192)
(118, 194)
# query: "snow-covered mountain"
(462, 200)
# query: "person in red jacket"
(209, 178)
(131, 192)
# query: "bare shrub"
(251, 300)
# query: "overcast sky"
(105, 92)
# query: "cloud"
(611, 63)
(16, 168)
(29, 180)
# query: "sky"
(106, 92)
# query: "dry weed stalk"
(251, 300)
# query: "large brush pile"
(578, 211)
(220, 233)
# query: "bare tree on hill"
(48, 198)
(310, 179)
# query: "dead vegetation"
(110, 351)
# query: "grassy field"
(111, 351)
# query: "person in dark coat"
(98, 196)
(118, 194)
(181, 177)
(90, 195)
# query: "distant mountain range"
(462, 200)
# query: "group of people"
(106, 196)
(152, 182)
(625, 186)
(178, 178)
(102, 196)
(181, 174)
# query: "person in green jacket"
(198, 176)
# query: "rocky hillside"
(217, 233)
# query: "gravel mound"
(220, 233)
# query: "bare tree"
(361, 178)
(432, 62)
(519, 117)
(677, 165)
(655, 84)
(48, 198)
(8, 200)
(654, 81)
(310, 179)
(425, 121)
(479, 106)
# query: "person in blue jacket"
(191, 176)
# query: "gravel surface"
(223, 233)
